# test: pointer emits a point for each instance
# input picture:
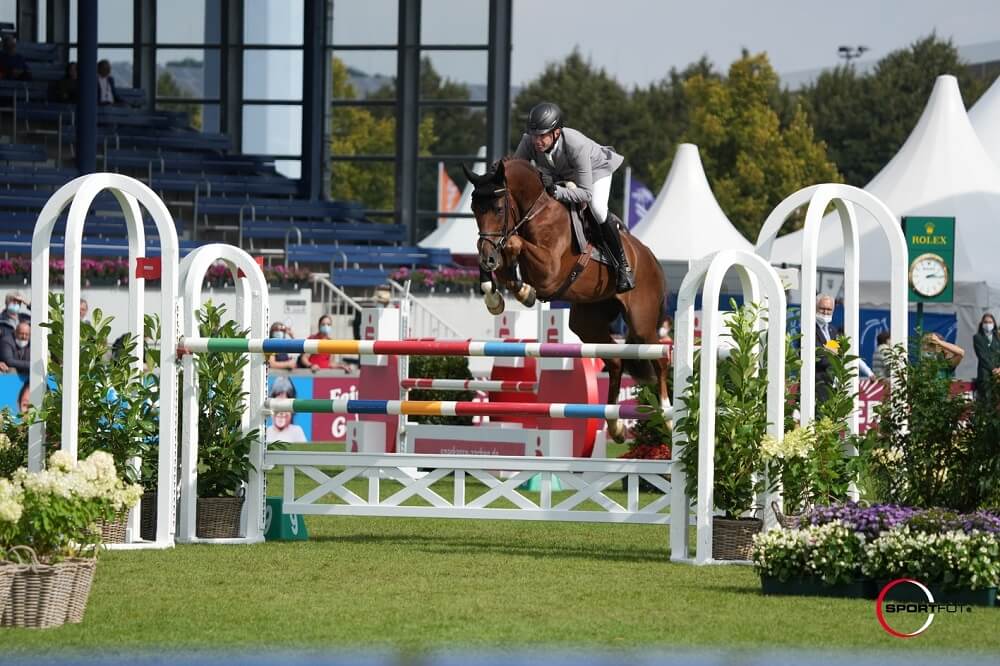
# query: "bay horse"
(521, 225)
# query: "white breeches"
(599, 200)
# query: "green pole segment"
(311, 406)
(228, 345)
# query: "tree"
(751, 158)
(358, 131)
(865, 119)
(166, 86)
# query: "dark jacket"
(14, 357)
(988, 354)
(114, 92)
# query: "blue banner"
(640, 201)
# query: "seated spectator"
(66, 90)
(316, 362)
(15, 352)
(15, 304)
(880, 360)
(106, 92)
(13, 66)
(280, 361)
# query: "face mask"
(278, 335)
(664, 332)
(326, 329)
(987, 329)
(824, 319)
(21, 344)
(14, 308)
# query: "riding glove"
(548, 183)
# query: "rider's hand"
(548, 183)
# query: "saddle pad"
(576, 216)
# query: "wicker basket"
(81, 572)
(7, 570)
(218, 517)
(39, 594)
(733, 539)
(114, 531)
(787, 521)
(147, 517)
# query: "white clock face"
(928, 275)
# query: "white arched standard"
(844, 198)
(760, 284)
(251, 313)
(130, 194)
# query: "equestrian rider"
(567, 156)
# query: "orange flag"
(448, 192)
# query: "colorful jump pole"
(490, 385)
(424, 348)
(452, 408)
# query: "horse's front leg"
(508, 275)
(539, 268)
(491, 293)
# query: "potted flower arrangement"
(46, 524)
(223, 449)
(446, 280)
(741, 422)
(819, 560)
(650, 437)
(286, 277)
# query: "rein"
(508, 231)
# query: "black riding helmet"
(544, 118)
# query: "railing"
(423, 321)
(336, 303)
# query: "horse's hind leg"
(592, 322)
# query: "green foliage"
(831, 471)
(13, 443)
(919, 453)
(650, 437)
(440, 367)
(741, 414)
(864, 119)
(223, 448)
(167, 86)
(752, 158)
(117, 401)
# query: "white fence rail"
(587, 482)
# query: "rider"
(565, 155)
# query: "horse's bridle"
(508, 210)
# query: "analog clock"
(928, 275)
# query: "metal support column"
(498, 83)
(408, 115)
(57, 22)
(143, 53)
(314, 72)
(86, 106)
(232, 72)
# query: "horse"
(522, 226)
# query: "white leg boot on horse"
(494, 300)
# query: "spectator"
(106, 91)
(665, 335)
(16, 303)
(282, 428)
(15, 352)
(316, 362)
(13, 65)
(67, 89)
(933, 344)
(986, 344)
(23, 399)
(824, 334)
(84, 309)
(880, 360)
(280, 361)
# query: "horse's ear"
(469, 176)
(500, 176)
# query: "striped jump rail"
(423, 348)
(454, 408)
(489, 385)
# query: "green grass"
(432, 584)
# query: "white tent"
(686, 223)
(941, 170)
(985, 118)
(459, 234)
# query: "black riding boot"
(624, 279)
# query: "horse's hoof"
(616, 429)
(527, 295)
(494, 303)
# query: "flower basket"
(813, 586)
(147, 517)
(39, 594)
(787, 521)
(218, 517)
(81, 571)
(733, 539)
(943, 594)
(114, 531)
(7, 570)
